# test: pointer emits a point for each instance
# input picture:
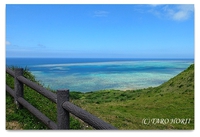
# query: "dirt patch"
(13, 125)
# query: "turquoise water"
(96, 74)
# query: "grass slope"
(173, 102)
(131, 109)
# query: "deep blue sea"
(86, 74)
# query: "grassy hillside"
(168, 106)
(173, 101)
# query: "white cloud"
(155, 5)
(183, 12)
(174, 12)
(101, 13)
(8, 43)
(180, 15)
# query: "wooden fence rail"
(64, 107)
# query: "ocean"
(92, 74)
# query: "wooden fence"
(64, 107)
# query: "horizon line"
(105, 57)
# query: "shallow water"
(96, 74)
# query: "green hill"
(168, 106)
(172, 102)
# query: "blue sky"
(100, 31)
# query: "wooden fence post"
(19, 86)
(63, 120)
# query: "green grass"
(22, 118)
(127, 110)
(172, 100)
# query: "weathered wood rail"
(64, 107)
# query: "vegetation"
(168, 106)
(173, 100)
(22, 118)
